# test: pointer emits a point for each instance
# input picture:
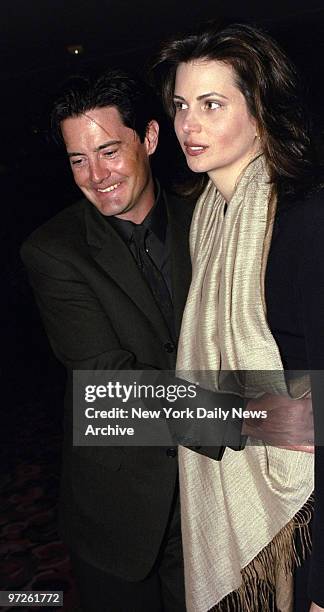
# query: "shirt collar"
(155, 221)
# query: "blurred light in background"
(75, 49)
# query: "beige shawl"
(238, 515)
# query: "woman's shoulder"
(315, 198)
(303, 207)
(299, 221)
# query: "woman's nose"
(191, 122)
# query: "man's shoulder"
(180, 206)
(63, 231)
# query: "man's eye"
(110, 153)
(76, 162)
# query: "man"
(110, 275)
(101, 311)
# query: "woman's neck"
(226, 178)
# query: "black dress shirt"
(155, 260)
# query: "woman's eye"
(212, 105)
(180, 105)
(76, 162)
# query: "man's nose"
(99, 171)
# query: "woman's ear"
(151, 137)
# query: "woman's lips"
(194, 149)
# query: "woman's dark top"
(295, 309)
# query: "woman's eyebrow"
(211, 93)
(205, 95)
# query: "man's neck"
(145, 202)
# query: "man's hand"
(289, 423)
(315, 608)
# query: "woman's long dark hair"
(270, 85)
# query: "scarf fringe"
(258, 586)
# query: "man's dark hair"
(135, 101)
(269, 83)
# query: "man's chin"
(110, 211)
(108, 208)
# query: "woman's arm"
(312, 292)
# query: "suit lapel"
(112, 254)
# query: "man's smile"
(111, 188)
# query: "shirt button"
(169, 347)
(172, 452)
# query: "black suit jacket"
(295, 306)
(99, 313)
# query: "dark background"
(36, 37)
(35, 57)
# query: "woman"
(254, 307)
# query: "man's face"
(109, 162)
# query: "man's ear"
(151, 137)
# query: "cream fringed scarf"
(238, 515)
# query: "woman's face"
(212, 122)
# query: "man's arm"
(82, 335)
